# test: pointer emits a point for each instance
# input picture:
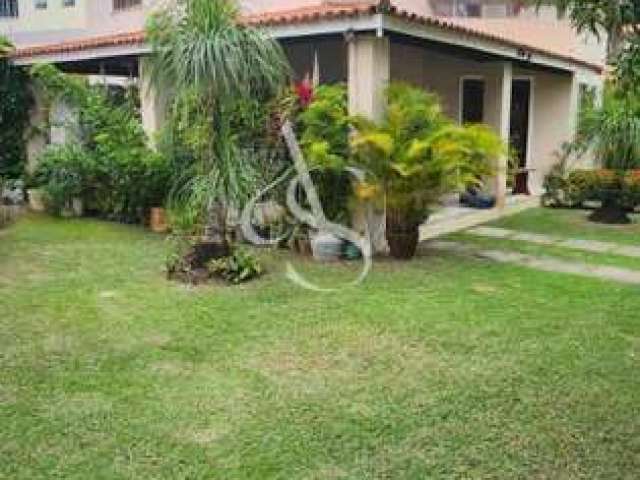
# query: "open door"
(519, 131)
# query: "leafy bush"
(241, 266)
(632, 188)
(579, 186)
(416, 153)
(611, 131)
(110, 167)
(324, 126)
(62, 173)
(14, 118)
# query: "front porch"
(533, 107)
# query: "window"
(40, 4)
(472, 100)
(8, 8)
(68, 3)
(587, 100)
(126, 4)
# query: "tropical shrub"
(15, 106)
(108, 165)
(324, 126)
(414, 156)
(632, 188)
(63, 174)
(240, 266)
(577, 187)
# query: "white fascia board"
(590, 77)
(472, 42)
(88, 54)
(326, 27)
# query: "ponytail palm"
(209, 63)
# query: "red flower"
(304, 90)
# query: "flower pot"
(326, 247)
(351, 251)
(158, 220)
(36, 200)
(402, 236)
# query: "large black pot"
(612, 211)
(402, 236)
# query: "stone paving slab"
(448, 221)
(543, 263)
(593, 246)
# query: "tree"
(211, 65)
(618, 19)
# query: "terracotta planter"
(158, 220)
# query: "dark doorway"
(520, 111)
(472, 100)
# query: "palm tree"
(618, 19)
(209, 64)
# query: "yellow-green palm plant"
(415, 155)
(6, 47)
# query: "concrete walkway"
(593, 246)
(452, 219)
(544, 263)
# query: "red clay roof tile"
(527, 38)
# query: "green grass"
(442, 367)
(561, 224)
(571, 223)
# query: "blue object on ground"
(476, 199)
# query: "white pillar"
(574, 106)
(152, 103)
(369, 74)
(505, 83)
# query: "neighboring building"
(517, 69)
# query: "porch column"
(504, 124)
(369, 74)
(152, 103)
(369, 71)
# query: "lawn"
(443, 367)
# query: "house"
(517, 69)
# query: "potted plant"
(413, 156)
